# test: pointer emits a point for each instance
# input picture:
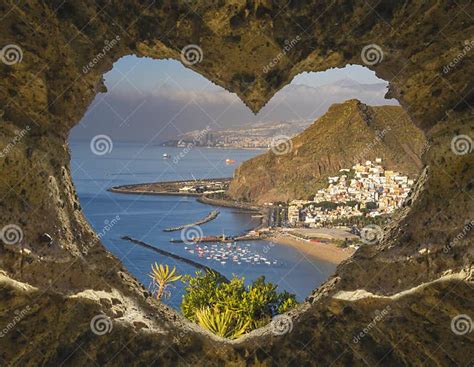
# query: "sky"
(160, 99)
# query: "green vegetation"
(360, 221)
(230, 309)
(371, 205)
(162, 278)
(224, 324)
(324, 205)
(349, 175)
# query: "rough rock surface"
(349, 133)
(422, 268)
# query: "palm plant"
(162, 278)
(226, 324)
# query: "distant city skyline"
(146, 74)
(156, 100)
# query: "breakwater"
(211, 216)
(174, 256)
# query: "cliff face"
(348, 133)
(51, 291)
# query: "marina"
(230, 252)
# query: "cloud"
(169, 111)
(205, 97)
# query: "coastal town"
(364, 194)
(365, 191)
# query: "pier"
(223, 239)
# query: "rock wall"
(52, 288)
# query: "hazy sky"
(159, 99)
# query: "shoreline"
(328, 252)
(320, 251)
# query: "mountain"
(348, 133)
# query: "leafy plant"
(200, 292)
(226, 324)
(162, 278)
(249, 306)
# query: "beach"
(321, 251)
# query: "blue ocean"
(144, 217)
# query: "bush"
(371, 205)
(245, 307)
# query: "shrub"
(249, 307)
(225, 324)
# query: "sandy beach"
(321, 251)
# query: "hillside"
(348, 133)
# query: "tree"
(371, 205)
(327, 205)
